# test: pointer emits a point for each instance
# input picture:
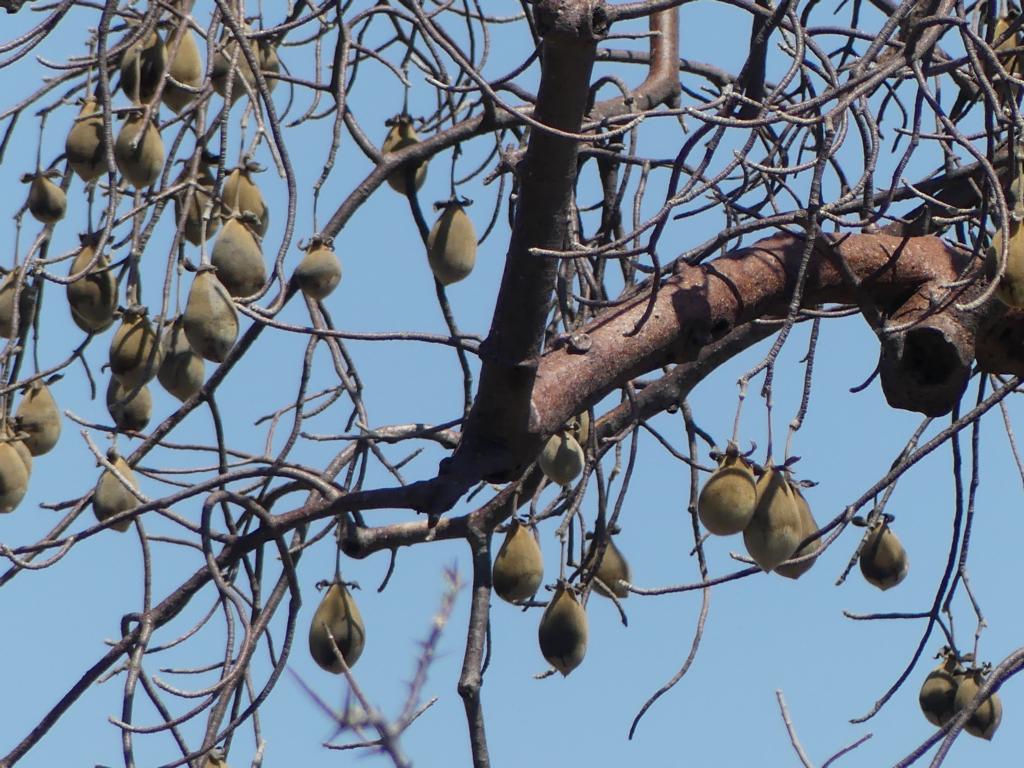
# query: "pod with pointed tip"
(93, 296)
(13, 478)
(134, 350)
(339, 614)
(985, 720)
(140, 163)
(937, 697)
(242, 195)
(562, 459)
(182, 372)
(26, 304)
(142, 65)
(111, 497)
(727, 500)
(563, 631)
(883, 561)
(239, 259)
(84, 143)
(38, 417)
(8, 435)
(773, 533)
(319, 272)
(613, 570)
(46, 201)
(518, 567)
(451, 245)
(210, 319)
(195, 226)
(129, 415)
(400, 136)
(186, 68)
(808, 526)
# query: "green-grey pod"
(563, 631)
(400, 136)
(319, 272)
(270, 62)
(142, 165)
(215, 759)
(8, 435)
(26, 304)
(210, 319)
(883, 561)
(46, 201)
(13, 478)
(238, 259)
(93, 296)
(338, 613)
(38, 417)
(613, 570)
(808, 526)
(728, 499)
(84, 143)
(186, 68)
(134, 350)
(182, 372)
(242, 195)
(195, 227)
(1010, 289)
(985, 720)
(773, 533)
(518, 568)
(451, 245)
(937, 697)
(579, 427)
(142, 66)
(111, 497)
(223, 71)
(129, 415)
(562, 459)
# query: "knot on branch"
(585, 20)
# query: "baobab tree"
(583, 226)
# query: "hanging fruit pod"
(231, 65)
(985, 720)
(727, 500)
(210, 319)
(562, 459)
(83, 146)
(197, 228)
(215, 759)
(135, 349)
(182, 371)
(579, 427)
(9, 435)
(142, 66)
(773, 533)
(808, 527)
(238, 258)
(937, 697)
(883, 561)
(38, 419)
(111, 497)
(1010, 289)
(241, 195)
(46, 201)
(270, 63)
(612, 572)
(26, 304)
(14, 471)
(93, 296)
(129, 414)
(337, 616)
(186, 68)
(451, 244)
(1006, 46)
(140, 163)
(563, 630)
(518, 567)
(401, 135)
(319, 272)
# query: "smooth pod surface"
(210, 320)
(562, 632)
(937, 697)
(1010, 289)
(231, 66)
(774, 529)
(451, 245)
(46, 201)
(518, 567)
(613, 570)
(239, 260)
(38, 418)
(134, 351)
(13, 478)
(129, 415)
(727, 500)
(808, 526)
(562, 459)
(400, 136)
(26, 304)
(197, 228)
(111, 497)
(142, 65)
(140, 163)
(985, 720)
(339, 614)
(186, 68)
(242, 195)
(84, 143)
(883, 561)
(93, 296)
(182, 372)
(319, 272)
